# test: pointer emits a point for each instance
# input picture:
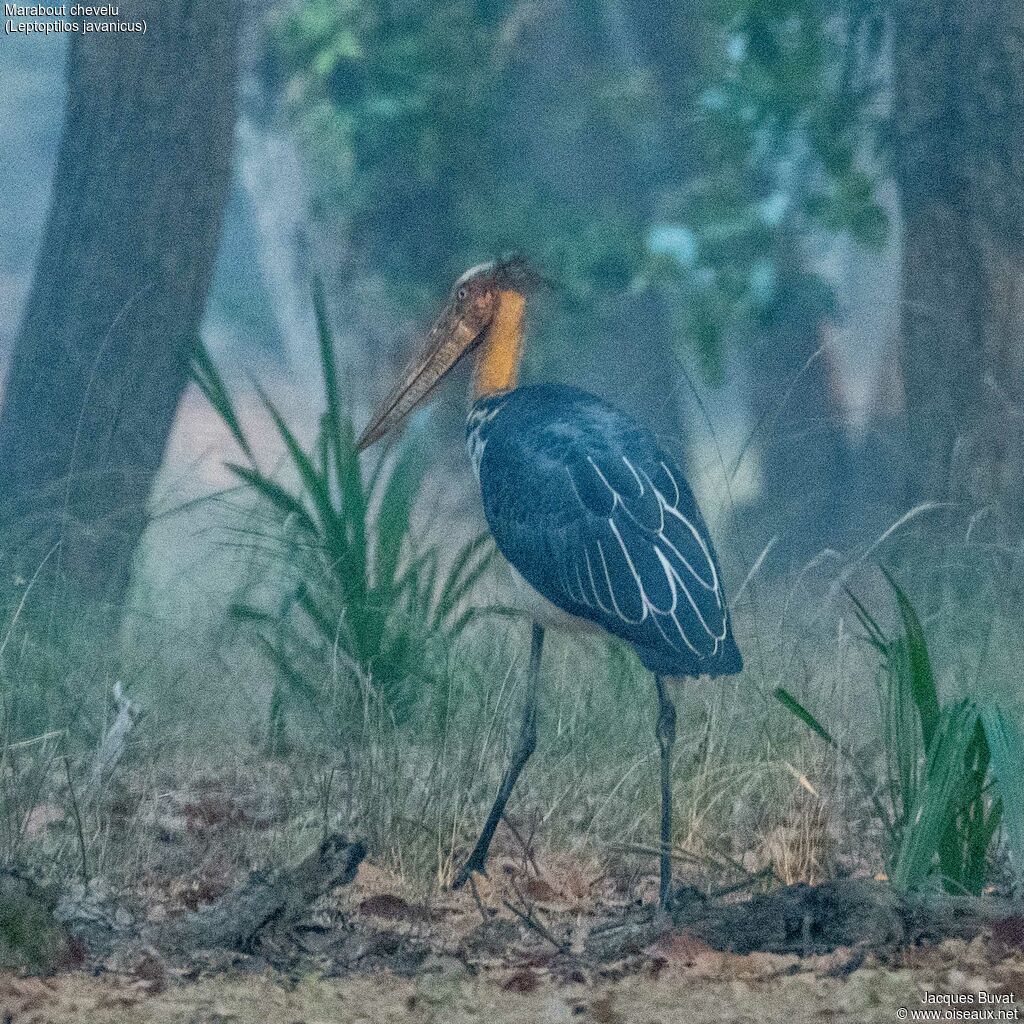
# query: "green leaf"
(470, 565)
(314, 483)
(328, 368)
(1006, 743)
(788, 701)
(398, 495)
(933, 811)
(274, 493)
(875, 635)
(207, 378)
(297, 683)
(920, 677)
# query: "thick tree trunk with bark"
(800, 421)
(119, 290)
(959, 120)
(588, 167)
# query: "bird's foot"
(663, 910)
(476, 864)
(666, 899)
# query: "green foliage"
(945, 815)
(790, 135)
(940, 813)
(410, 116)
(1006, 745)
(387, 100)
(441, 136)
(365, 603)
(31, 938)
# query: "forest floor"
(749, 988)
(677, 980)
(531, 947)
(553, 934)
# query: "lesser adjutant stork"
(582, 500)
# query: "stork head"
(478, 309)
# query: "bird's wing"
(643, 554)
(609, 531)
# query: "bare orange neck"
(501, 351)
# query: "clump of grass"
(368, 603)
(1006, 747)
(56, 660)
(940, 802)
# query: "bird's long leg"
(666, 733)
(524, 748)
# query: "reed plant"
(368, 602)
(940, 796)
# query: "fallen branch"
(802, 919)
(265, 902)
(807, 920)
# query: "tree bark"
(959, 134)
(264, 902)
(800, 427)
(101, 359)
(593, 171)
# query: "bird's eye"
(462, 293)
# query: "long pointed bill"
(454, 334)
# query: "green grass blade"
(470, 566)
(910, 701)
(247, 613)
(275, 494)
(963, 852)
(875, 635)
(938, 797)
(472, 613)
(904, 743)
(1006, 743)
(921, 676)
(354, 497)
(328, 366)
(314, 483)
(788, 701)
(208, 379)
(398, 494)
(339, 438)
(297, 683)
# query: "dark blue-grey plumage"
(595, 516)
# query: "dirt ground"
(757, 987)
(515, 950)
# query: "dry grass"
(188, 811)
(199, 799)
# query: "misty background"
(727, 269)
(788, 238)
(786, 235)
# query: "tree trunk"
(662, 41)
(119, 289)
(959, 132)
(800, 429)
(592, 169)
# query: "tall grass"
(1006, 746)
(368, 602)
(939, 800)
